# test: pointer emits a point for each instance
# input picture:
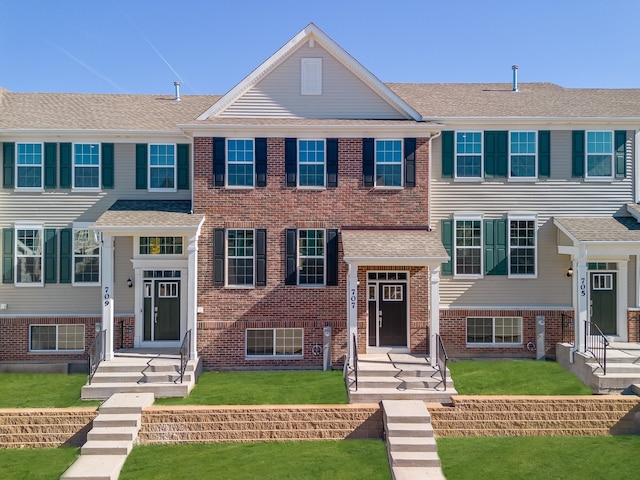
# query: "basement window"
(274, 342)
(61, 338)
(494, 330)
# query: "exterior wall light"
(570, 272)
(129, 283)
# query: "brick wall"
(633, 325)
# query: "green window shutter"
(108, 168)
(7, 255)
(448, 154)
(496, 154)
(183, 166)
(50, 255)
(446, 235)
(218, 257)
(620, 153)
(141, 166)
(66, 255)
(544, 153)
(495, 247)
(65, 165)
(50, 165)
(8, 164)
(577, 153)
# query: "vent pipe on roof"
(177, 85)
(515, 77)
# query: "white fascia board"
(146, 230)
(391, 261)
(103, 135)
(621, 123)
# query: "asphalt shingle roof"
(602, 229)
(149, 213)
(397, 244)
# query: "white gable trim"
(312, 33)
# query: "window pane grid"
(29, 256)
(240, 163)
(388, 158)
(240, 254)
(162, 163)
(57, 337)
(86, 163)
(86, 257)
(468, 247)
(522, 247)
(311, 252)
(469, 154)
(160, 245)
(501, 330)
(311, 163)
(599, 154)
(29, 165)
(281, 342)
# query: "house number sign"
(107, 297)
(583, 286)
(352, 298)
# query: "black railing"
(568, 329)
(96, 353)
(441, 360)
(185, 353)
(345, 369)
(596, 344)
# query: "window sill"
(468, 180)
(87, 189)
(80, 284)
(494, 345)
(273, 357)
(240, 187)
(309, 188)
(523, 277)
(239, 287)
(468, 277)
(29, 189)
(162, 190)
(523, 179)
(29, 285)
(383, 187)
(61, 352)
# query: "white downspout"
(429, 177)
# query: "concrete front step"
(113, 433)
(100, 391)
(416, 473)
(95, 467)
(138, 377)
(402, 383)
(375, 395)
(106, 447)
(411, 444)
(407, 430)
(120, 420)
(414, 459)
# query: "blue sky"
(142, 46)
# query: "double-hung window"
(311, 257)
(468, 246)
(86, 258)
(29, 252)
(29, 166)
(522, 154)
(162, 167)
(240, 258)
(468, 155)
(240, 163)
(522, 245)
(388, 163)
(86, 165)
(494, 330)
(599, 154)
(311, 163)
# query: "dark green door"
(603, 301)
(167, 310)
(392, 321)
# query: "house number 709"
(106, 296)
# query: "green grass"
(320, 460)
(514, 377)
(265, 388)
(42, 390)
(540, 458)
(36, 463)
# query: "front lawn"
(514, 377)
(539, 458)
(265, 388)
(36, 463)
(317, 460)
(42, 390)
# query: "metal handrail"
(95, 354)
(568, 329)
(355, 358)
(185, 353)
(596, 344)
(441, 360)
(345, 369)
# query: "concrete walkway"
(111, 439)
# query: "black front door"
(161, 310)
(392, 314)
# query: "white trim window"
(240, 162)
(468, 245)
(29, 166)
(160, 245)
(599, 154)
(86, 257)
(58, 338)
(312, 257)
(468, 156)
(388, 163)
(274, 342)
(29, 250)
(86, 166)
(162, 167)
(523, 154)
(494, 331)
(240, 258)
(523, 241)
(312, 163)
(311, 76)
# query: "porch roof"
(147, 215)
(392, 246)
(600, 229)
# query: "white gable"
(311, 77)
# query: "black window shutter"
(261, 257)
(8, 164)
(291, 161)
(446, 235)
(291, 245)
(141, 166)
(108, 167)
(332, 162)
(65, 165)
(577, 153)
(7, 255)
(368, 162)
(50, 255)
(448, 154)
(66, 255)
(409, 162)
(218, 257)
(620, 153)
(544, 153)
(219, 155)
(183, 166)
(50, 165)
(261, 162)
(332, 257)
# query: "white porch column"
(106, 261)
(622, 300)
(352, 309)
(582, 284)
(434, 313)
(192, 293)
